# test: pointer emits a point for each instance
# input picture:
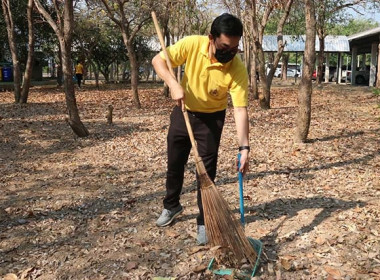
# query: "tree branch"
(47, 17)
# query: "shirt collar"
(204, 47)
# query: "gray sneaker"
(201, 235)
(167, 216)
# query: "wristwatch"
(244, 148)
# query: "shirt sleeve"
(178, 52)
(239, 87)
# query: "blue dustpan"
(256, 244)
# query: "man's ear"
(210, 37)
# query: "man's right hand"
(176, 90)
(178, 94)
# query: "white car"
(289, 73)
(293, 73)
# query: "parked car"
(346, 74)
(332, 71)
(362, 76)
(290, 72)
(290, 68)
(293, 73)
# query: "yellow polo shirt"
(207, 84)
(79, 69)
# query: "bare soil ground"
(86, 208)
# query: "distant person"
(79, 69)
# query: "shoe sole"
(171, 220)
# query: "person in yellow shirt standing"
(212, 71)
(79, 70)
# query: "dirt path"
(85, 208)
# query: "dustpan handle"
(241, 193)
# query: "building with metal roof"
(296, 44)
(333, 44)
(359, 45)
(363, 44)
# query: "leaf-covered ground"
(86, 208)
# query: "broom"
(221, 227)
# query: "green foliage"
(3, 38)
(44, 35)
(295, 25)
(353, 26)
(18, 9)
(376, 91)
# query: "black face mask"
(224, 56)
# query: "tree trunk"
(378, 68)
(134, 74)
(284, 67)
(264, 96)
(74, 119)
(254, 76)
(305, 90)
(257, 35)
(71, 103)
(64, 33)
(13, 48)
(30, 60)
(321, 56)
(96, 73)
(59, 68)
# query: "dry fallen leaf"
(334, 272)
(171, 233)
(10, 276)
(132, 265)
(320, 240)
(200, 268)
(196, 249)
(26, 273)
(286, 263)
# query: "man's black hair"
(226, 24)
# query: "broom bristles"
(221, 227)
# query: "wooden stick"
(200, 167)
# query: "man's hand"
(178, 94)
(176, 90)
(244, 162)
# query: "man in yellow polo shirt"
(212, 71)
(79, 69)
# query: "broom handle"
(198, 160)
(241, 193)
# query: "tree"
(305, 90)
(180, 18)
(8, 18)
(259, 16)
(107, 51)
(328, 13)
(30, 60)
(94, 39)
(129, 17)
(63, 28)
(378, 65)
(353, 26)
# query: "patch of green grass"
(376, 91)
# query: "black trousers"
(207, 129)
(79, 79)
